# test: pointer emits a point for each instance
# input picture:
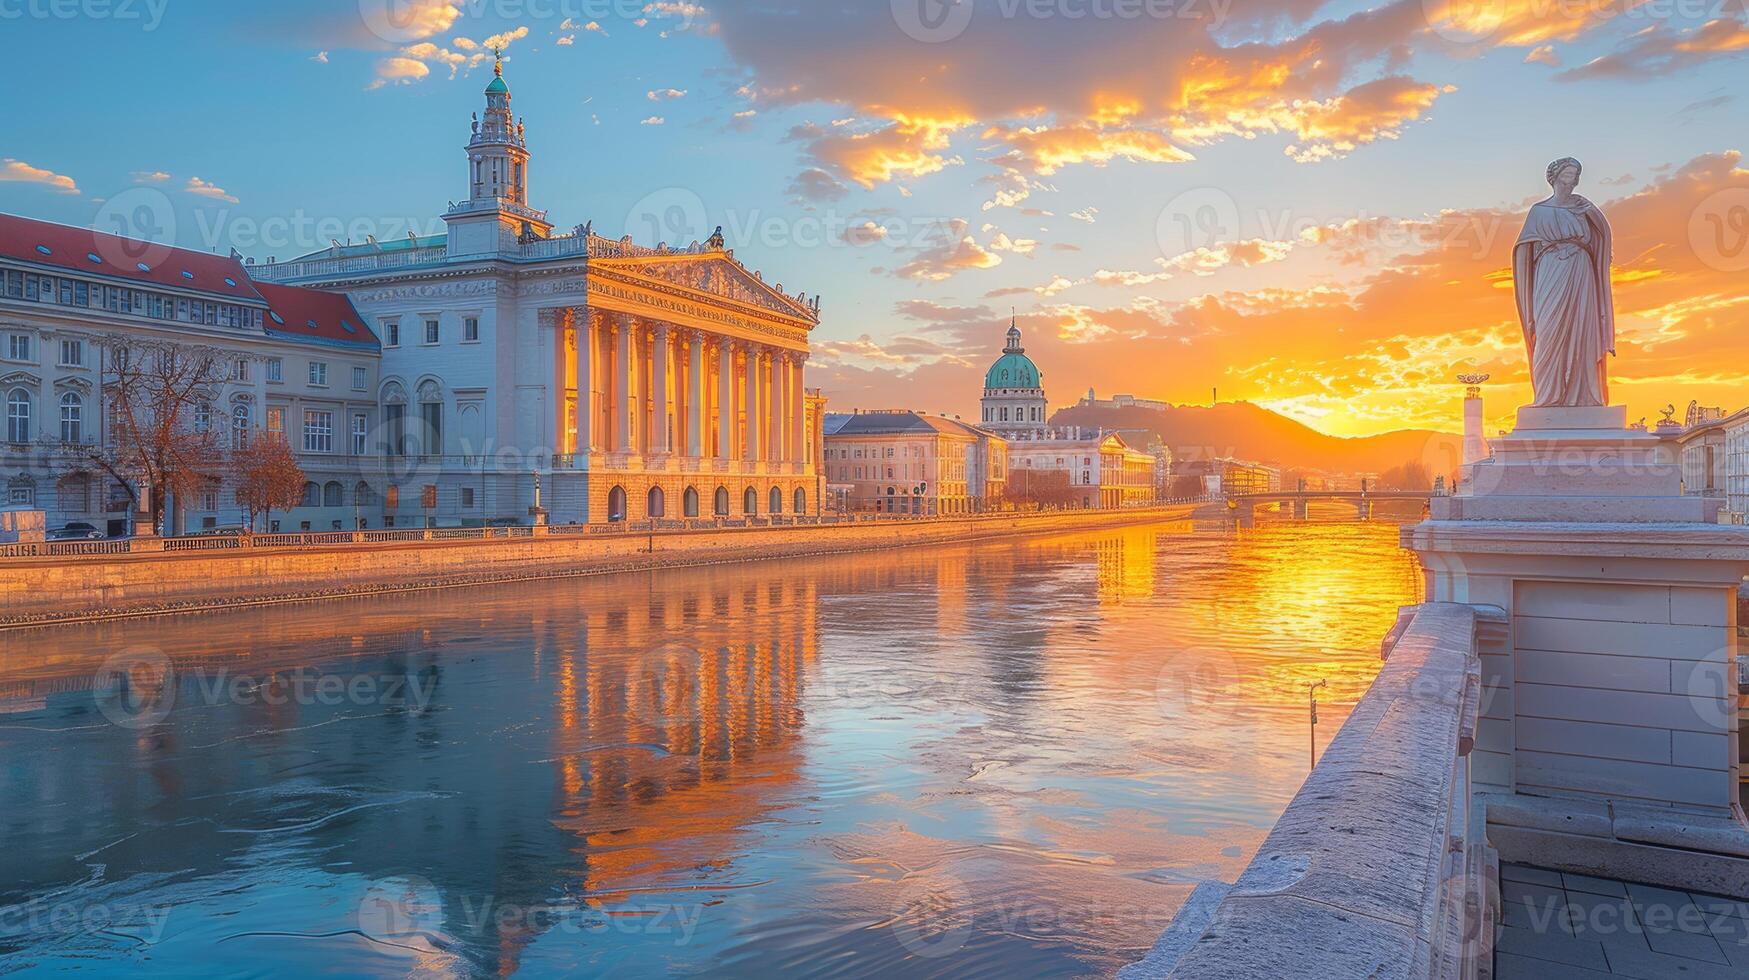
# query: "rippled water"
(1004, 758)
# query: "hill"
(1246, 431)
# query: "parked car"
(76, 531)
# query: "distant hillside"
(1246, 431)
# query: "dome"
(497, 86)
(1012, 370)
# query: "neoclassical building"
(639, 382)
(296, 362)
(1103, 470)
(1014, 395)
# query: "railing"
(322, 539)
(1378, 868)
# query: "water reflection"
(950, 761)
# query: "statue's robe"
(1561, 270)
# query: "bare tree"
(159, 396)
(1039, 489)
(268, 476)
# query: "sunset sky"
(1310, 205)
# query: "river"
(999, 759)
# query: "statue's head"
(1564, 173)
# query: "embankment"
(81, 588)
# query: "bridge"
(1245, 505)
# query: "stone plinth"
(1615, 687)
(20, 526)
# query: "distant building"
(1014, 395)
(1737, 469)
(901, 462)
(1104, 471)
(1242, 477)
(1123, 401)
(1703, 449)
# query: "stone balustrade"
(1379, 867)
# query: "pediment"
(24, 378)
(713, 274)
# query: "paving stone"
(1510, 966)
(1526, 873)
(1664, 910)
(1555, 947)
(1538, 916)
(1603, 918)
(1687, 944)
(1594, 886)
(1646, 964)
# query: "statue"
(1560, 269)
(476, 123)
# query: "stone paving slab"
(1557, 926)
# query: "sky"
(1304, 204)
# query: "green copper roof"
(497, 86)
(1012, 370)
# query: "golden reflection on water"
(993, 758)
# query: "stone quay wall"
(76, 588)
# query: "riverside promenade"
(42, 584)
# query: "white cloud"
(198, 186)
(150, 176)
(320, 57)
(665, 94)
(17, 171)
(652, 121)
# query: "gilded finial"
(498, 62)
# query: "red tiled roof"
(314, 315)
(72, 249)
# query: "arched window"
(430, 419)
(72, 418)
(656, 505)
(689, 502)
(776, 501)
(18, 416)
(801, 506)
(240, 426)
(750, 503)
(361, 494)
(616, 504)
(332, 494)
(721, 503)
(312, 495)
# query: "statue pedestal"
(1576, 464)
(1608, 738)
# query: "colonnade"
(635, 386)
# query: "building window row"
(63, 291)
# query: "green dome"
(497, 87)
(1012, 370)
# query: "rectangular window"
(431, 333)
(66, 292)
(471, 329)
(73, 353)
(240, 370)
(275, 369)
(319, 374)
(18, 346)
(360, 379)
(467, 498)
(318, 431)
(360, 431)
(431, 413)
(14, 284)
(391, 333)
(276, 421)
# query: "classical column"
(622, 383)
(754, 442)
(660, 435)
(583, 341)
(798, 422)
(725, 400)
(694, 393)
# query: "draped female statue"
(1560, 270)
